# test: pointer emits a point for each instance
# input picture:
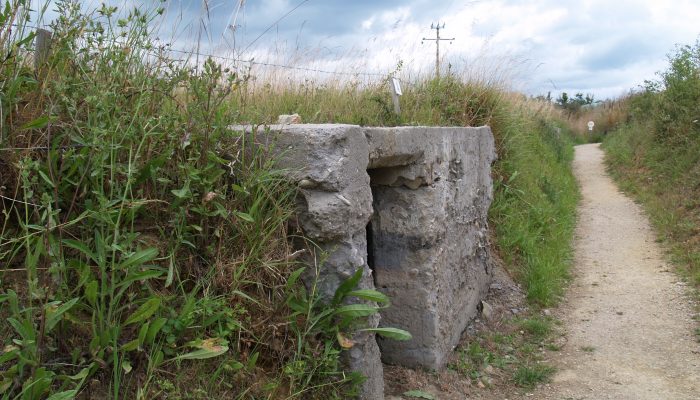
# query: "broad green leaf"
(144, 312)
(391, 333)
(234, 365)
(140, 257)
(91, 292)
(252, 361)
(9, 353)
(356, 310)
(143, 331)
(157, 359)
(126, 366)
(130, 345)
(244, 216)
(55, 315)
(82, 374)
(25, 331)
(182, 193)
(67, 395)
(293, 277)
(81, 247)
(370, 295)
(348, 285)
(5, 384)
(38, 123)
(153, 330)
(419, 394)
(46, 178)
(140, 276)
(203, 353)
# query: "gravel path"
(627, 318)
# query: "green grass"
(516, 351)
(533, 213)
(537, 327)
(147, 236)
(528, 376)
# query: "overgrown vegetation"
(140, 236)
(656, 156)
(515, 354)
(535, 201)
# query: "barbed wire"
(253, 62)
(20, 201)
(248, 61)
(75, 146)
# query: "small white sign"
(397, 86)
(591, 124)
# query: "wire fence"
(242, 60)
(165, 49)
(191, 53)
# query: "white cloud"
(593, 46)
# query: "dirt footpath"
(627, 317)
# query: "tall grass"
(144, 245)
(607, 116)
(656, 156)
(533, 214)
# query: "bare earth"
(627, 317)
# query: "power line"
(437, 40)
(274, 23)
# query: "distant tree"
(563, 100)
(547, 98)
(574, 104)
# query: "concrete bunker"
(411, 203)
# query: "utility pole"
(437, 40)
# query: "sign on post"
(395, 85)
(591, 124)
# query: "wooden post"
(42, 47)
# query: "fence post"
(42, 46)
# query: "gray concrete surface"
(429, 240)
(429, 190)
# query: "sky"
(601, 47)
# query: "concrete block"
(426, 192)
(329, 164)
(429, 241)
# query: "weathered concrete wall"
(329, 162)
(429, 242)
(430, 189)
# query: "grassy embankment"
(144, 246)
(656, 156)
